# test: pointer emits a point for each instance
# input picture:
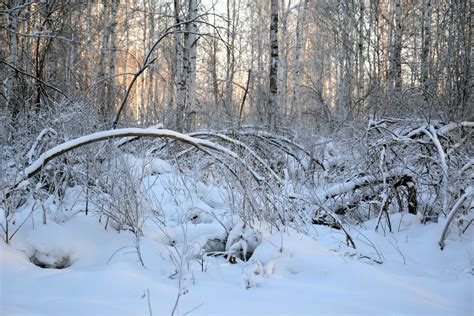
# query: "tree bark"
(395, 61)
(426, 44)
(110, 96)
(274, 60)
(11, 81)
(300, 27)
(179, 60)
(360, 59)
(191, 49)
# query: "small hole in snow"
(46, 261)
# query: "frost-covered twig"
(242, 145)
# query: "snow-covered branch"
(58, 150)
(345, 187)
(457, 206)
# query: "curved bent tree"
(35, 167)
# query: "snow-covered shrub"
(397, 166)
(43, 129)
(242, 241)
(119, 197)
(10, 203)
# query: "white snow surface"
(289, 273)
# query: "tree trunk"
(110, 96)
(273, 76)
(179, 61)
(396, 61)
(300, 26)
(360, 59)
(426, 45)
(104, 46)
(191, 49)
(12, 59)
(283, 60)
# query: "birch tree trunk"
(110, 96)
(346, 66)
(88, 62)
(426, 44)
(300, 26)
(172, 80)
(283, 60)
(143, 96)
(43, 45)
(396, 62)
(152, 83)
(273, 76)
(213, 66)
(104, 46)
(466, 81)
(360, 59)
(11, 80)
(229, 69)
(191, 49)
(126, 25)
(179, 62)
(260, 101)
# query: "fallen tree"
(434, 151)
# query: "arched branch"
(35, 167)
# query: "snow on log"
(345, 187)
(451, 126)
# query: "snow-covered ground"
(289, 273)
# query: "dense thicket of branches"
(216, 71)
